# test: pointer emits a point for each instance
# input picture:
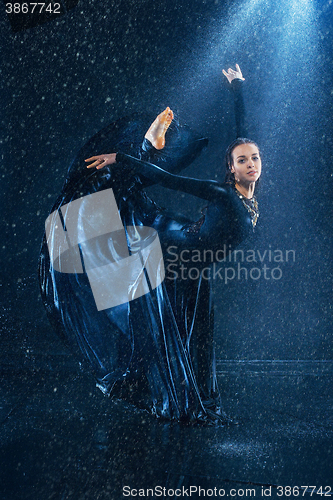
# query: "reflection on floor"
(62, 439)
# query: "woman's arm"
(235, 78)
(237, 88)
(202, 188)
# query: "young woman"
(156, 350)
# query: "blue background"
(64, 80)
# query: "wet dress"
(146, 338)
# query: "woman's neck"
(247, 191)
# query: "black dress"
(155, 348)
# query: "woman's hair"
(229, 176)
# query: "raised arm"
(235, 78)
(205, 189)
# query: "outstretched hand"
(232, 74)
(101, 161)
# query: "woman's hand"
(101, 161)
(232, 74)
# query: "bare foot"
(157, 130)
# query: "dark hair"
(229, 176)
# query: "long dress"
(151, 340)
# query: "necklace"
(251, 206)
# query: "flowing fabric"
(146, 338)
(135, 349)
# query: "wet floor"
(62, 439)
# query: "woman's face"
(246, 163)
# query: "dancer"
(154, 350)
(230, 217)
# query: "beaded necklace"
(251, 206)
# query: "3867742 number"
(300, 491)
(33, 8)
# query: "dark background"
(63, 80)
